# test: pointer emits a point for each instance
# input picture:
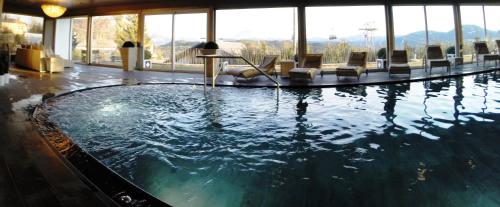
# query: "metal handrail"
(263, 73)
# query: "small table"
(286, 66)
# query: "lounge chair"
(355, 66)
(434, 58)
(267, 66)
(483, 54)
(308, 67)
(399, 63)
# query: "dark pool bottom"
(430, 143)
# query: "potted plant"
(128, 53)
(450, 51)
(210, 48)
(381, 58)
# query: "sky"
(270, 24)
(408, 19)
(192, 27)
(344, 21)
(321, 22)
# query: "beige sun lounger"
(399, 63)
(356, 65)
(267, 66)
(308, 68)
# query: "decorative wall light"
(53, 10)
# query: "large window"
(79, 39)
(189, 31)
(158, 42)
(108, 35)
(21, 29)
(441, 27)
(166, 50)
(409, 32)
(492, 14)
(412, 35)
(254, 33)
(337, 31)
(472, 29)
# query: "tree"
(74, 40)
(127, 30)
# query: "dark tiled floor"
(31, 173)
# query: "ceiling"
(79, 7)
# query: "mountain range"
(470, 32)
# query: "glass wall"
(189, 31)
(254, 33)
(492, 14)
(79, 39)
(170, 46)
(409, 32)
(441, 27)
(170, 39)
(158, 42)
(336, 31)
(108, 35)
(472, 29)
(21, 29)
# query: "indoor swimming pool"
(431, 143)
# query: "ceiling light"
(53, 10)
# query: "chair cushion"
(308, 73)
(439, 62)
(234, 71)
(399, 68)
(243, 72)
(491, 57)
(350, 70)
(399, 65)
(357, 59)
(434, 52)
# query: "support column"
(426, 26)
(141, 41)
(89, 39)
(426, 37)
(302, 39)
(459, 40)
(210, 62)
(211, 24)
(173, 42)
(389, 24)
(484, 22)
(49, 30)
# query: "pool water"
(433, 143)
